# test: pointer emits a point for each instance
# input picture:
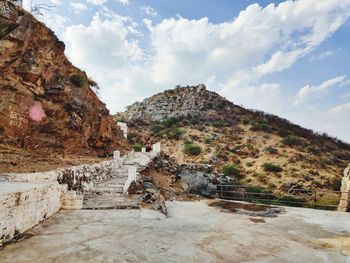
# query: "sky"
(288, 58)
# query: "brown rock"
(34, 71)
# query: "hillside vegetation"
(195, 125)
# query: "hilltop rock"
(182, 101)
(46, 103)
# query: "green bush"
(336, 184)
(208, 140)
(283, 133)
(193, 119)
(245, 121)
(121, 119)
(260, 126)
(188, 142)
(218, 124)
(157, 128)
(78, 80)
(137, 147)
(270, 167)
(290, 140)
(264, 127)
(170, 122)
(175, 133)
(192, 149)
(231, 170)
(271, 150)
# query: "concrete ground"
(193, 232)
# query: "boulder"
(196, 183)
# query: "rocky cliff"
(196, 125)
(47, 105)
(182, 101)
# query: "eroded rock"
(35, 71)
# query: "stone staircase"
(109, 194)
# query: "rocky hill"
(48, 110)
(195, 125)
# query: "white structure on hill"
(124, 128)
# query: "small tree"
(175, 133)
(137, 147)
(290, 140)
(231, 170)
(156, 128)
(170, 122)
(192, 149)
(78, 80)
(271, 150)
(271, 167)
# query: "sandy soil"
(16, 160)
(193, 232)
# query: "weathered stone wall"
(79, 178)
(24, 205)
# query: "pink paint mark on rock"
(36, 112)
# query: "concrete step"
(111, 201)
(111, 183)
(106, 190)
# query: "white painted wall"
(24, 205)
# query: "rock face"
(46, 102)
(182, 101)
(196, 182)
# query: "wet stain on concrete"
(247, 208)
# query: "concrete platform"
(193, 232)
(24, 205)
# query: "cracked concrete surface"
(193, 232)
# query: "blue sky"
(289, 58)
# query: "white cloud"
(78, 7)
(124, 2)
(308, 90)
(233, 56)
(324, 55)
(102, 49)
(269, 88)
(148, 10)
(56, 22)
(341, 109)
(56, 2)
(347, 95)
(258, 42)
(339, 121)
(97, 2)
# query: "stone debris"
(195, 178)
